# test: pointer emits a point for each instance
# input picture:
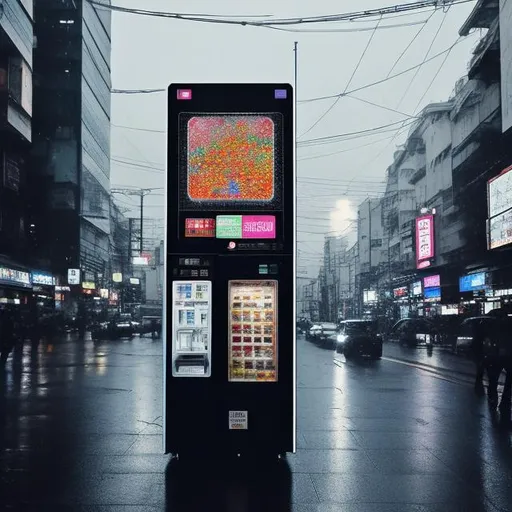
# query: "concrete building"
(16, 214)
(72, 135)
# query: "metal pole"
(141, 242)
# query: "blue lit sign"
(432, 294)
(473, 282)
(43, 278)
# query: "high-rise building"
(16, 41)
(71, 125)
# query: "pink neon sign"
(424, 239)
(432, 281)
(258, 226)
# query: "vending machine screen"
(230, 158)
(230, 161)
(252, 331)
(191, 343)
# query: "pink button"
(258, 226)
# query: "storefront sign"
(432, 294)
(499, 193)
(15, 277)
(400, 292)
(88, 285)
(473, 282)
(43, 278)
(104, 293)
(432, 281)
(134, 280)
(73, 276)
(424, 240)
(369, 296)
(117, 277)
(500, 230)
(416, 289)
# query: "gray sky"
(153, 52)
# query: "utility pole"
(141, 193)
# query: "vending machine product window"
(191, 343)
(252, 342)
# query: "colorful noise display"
(231, 158)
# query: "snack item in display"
(247, 339)
(247, 329)
(256, 329)
(248, 351)
(237, 305)
(260, 365)
(237, 373)
(237, 339)
(269, 316)
(246, 315)
(257, 339)
(268, 330)
(257, 316)
(248, 365)
(267, 339)
(237, 363)
(236, 328)
(236, 316)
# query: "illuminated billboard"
(432, 281)
(424, 240)
(499, 200)
(473, 282)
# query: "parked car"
(414, 332)
(359, 338)
(324, 334)
(312, 332)
(121, 326)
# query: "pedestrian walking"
(498, 358)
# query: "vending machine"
(230, 358)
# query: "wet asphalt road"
(80, 430)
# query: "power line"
(424, 59)
(378, 82)
(349, 82)
(303, 20)
(136, 128)
(406, 49)
(335, 138)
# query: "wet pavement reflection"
(81, 430)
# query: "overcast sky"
(153, 52)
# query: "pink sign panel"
(424, 238)
(258, 226)
(432, 281)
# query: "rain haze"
(335, 174)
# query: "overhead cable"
(302, 20)
(361, 58)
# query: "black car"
(121, 326)
(414, 332)
(359, 338)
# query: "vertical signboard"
(499, 201)
(230, 239)
(424, 241)
(506, 63)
